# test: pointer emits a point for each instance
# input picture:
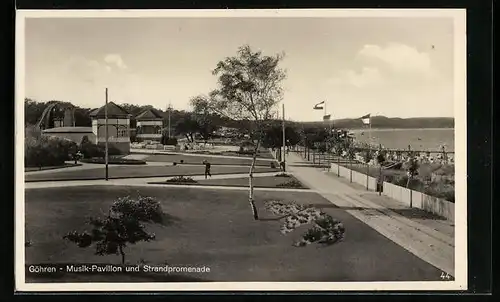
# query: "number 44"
(445, 276)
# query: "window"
(122, 132)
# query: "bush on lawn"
(290, 184)
(273, 165)
(90, 150)
(47, 151)
(124, 224)
(169, 141)
(181, 179)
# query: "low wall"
(409, 198)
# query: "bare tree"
(249, 90)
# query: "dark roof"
(149, 114)
(113, 111)
(69, 130)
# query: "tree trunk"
(250, 183)
(408, 182)
(381, 181)
(122, 254)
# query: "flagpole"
(370, 133)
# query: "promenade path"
(146, 182)
(431, 241)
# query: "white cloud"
(116, 60)
(400, 58)
(367, 77)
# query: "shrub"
(182, 161)
(90, 150)
(169, 141)
(181, 179)
(47, 151)
(273, 165)
(174, 164)
(123, 225)
(441, 190)
(290, 184)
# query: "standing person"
(207, 169)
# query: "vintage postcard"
(252, 150)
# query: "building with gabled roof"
(118, 126)
(149, 125)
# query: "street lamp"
(169, 109)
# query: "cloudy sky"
(398, 67)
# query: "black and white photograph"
(188, 150)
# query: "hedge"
(47, 151)
(90, 150)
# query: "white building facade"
(118, 127)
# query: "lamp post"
(106, 133)
(284, 140)
(169, 108)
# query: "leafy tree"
(188, 127)
(249, 91)
(33, 110)
(207, 121)
(123, 225)
(411, 167)
(273, 135)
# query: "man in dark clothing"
(207, 169)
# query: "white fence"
(410, 198)
(356, 177)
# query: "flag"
(366, 119)
(326, 117)
(319, 106)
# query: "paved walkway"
(430, 244)
(145, 182)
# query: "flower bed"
(325, 229)
(181, 180)
(282, 175)
(293, 183)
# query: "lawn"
(66, 165)
(214, 228)
(139, 171)
(259, 182)
(199, 160)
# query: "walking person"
(207, 169)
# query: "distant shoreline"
(396, 129)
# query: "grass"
(259, 182)
(114, 161)
(139, 171)
(66, 165)
(215, 228)
(190, 159)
